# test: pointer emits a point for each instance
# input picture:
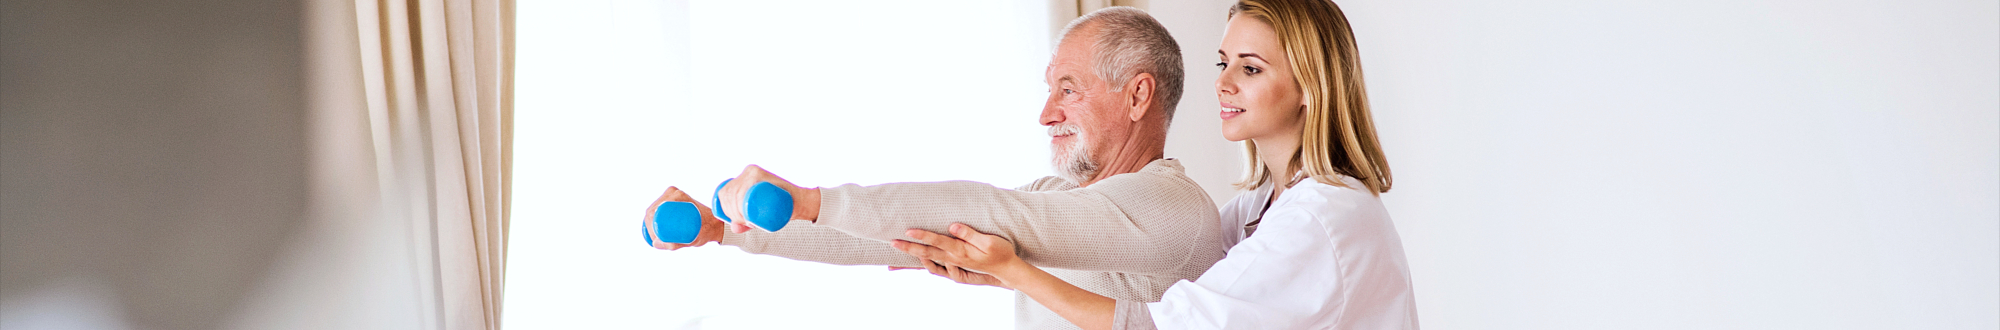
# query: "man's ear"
(1141, 98)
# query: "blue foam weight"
(677, 222)
(647, 233)
(717, 202)
(770, 207)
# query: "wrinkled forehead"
(1072, 60)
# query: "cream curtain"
(1063, 11)
(438, 79)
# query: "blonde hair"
(1338, 138)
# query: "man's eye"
(1067, 91)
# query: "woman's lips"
(1230, 111)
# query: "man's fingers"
(670, 194)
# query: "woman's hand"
(971, 250)
(993, 255)
(958, 274)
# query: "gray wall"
(153, 158)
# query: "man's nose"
(1050, 113)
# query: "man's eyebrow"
(1066, 78)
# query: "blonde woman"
(1313, 247)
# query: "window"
(616, 100)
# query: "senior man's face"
(1081, 113)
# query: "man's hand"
(711, 228)
(952, 257)
(805, 201)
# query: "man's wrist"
(808, 205)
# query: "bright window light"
(616, 100)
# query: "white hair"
(1075, 165)
(1130, 42)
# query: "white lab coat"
(1322, 257)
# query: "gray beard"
(1077, 167)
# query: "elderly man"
(1117, 220)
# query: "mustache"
(1060, 129)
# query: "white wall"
(1694, 165)
(1678, 165)
(1196, 136)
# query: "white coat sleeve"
(1283, 277)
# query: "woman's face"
(1260, 99)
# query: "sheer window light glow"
(617, 100)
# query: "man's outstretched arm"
(804, 241)
(1143, 223)
(807, 242)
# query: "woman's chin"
(1232, 135)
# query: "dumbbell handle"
(768, 207)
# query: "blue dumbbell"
(717, 202)
(678, 222)
(770, 208)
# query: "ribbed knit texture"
(1127, 237)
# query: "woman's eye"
(1222, 65)
(1252, 70)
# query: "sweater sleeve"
(1131, 315)
(1140, 223)
(804, 241)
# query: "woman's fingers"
(978, 240)
(947, 244)
(989, 244)
(936, 269)
(957, 274)
(924, 252)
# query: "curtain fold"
(438, 75)
(1063, 11)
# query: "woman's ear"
(1141, 97)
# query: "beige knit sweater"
(1129, 236)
